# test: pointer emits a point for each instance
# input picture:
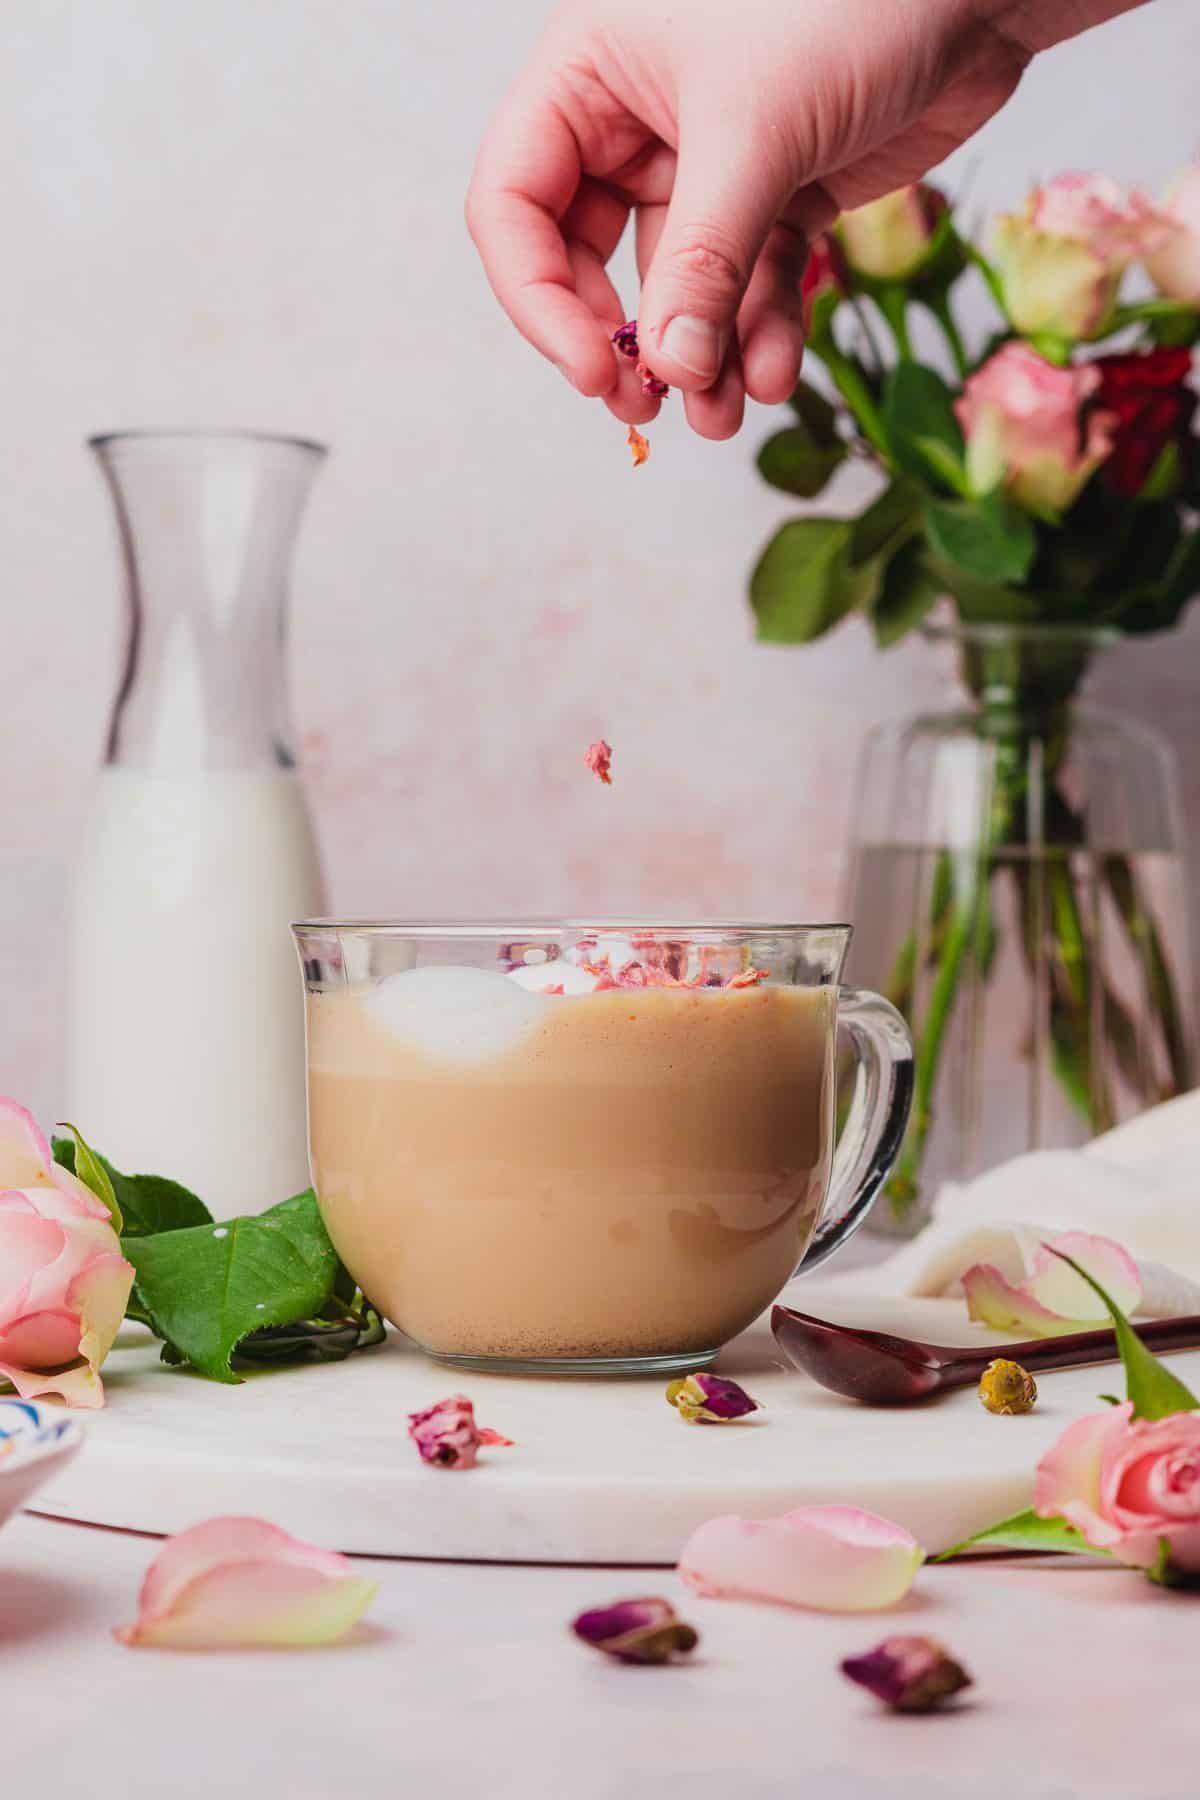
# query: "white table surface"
(465, 1682)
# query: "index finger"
(526, 176)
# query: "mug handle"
(875, 1126)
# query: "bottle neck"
(206, 524)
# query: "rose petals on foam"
(833, 1558)
(233, 1583)
(1053, 1300)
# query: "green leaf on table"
(918, 409)
(794, 463)
(906, 594)
(148, 1203)
(803, 584)
(990, 539)
(1026, 1531)
(1149, 1384)
(91, 1170)
(817, 414)
(206, 1288)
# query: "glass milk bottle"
(185, 1041)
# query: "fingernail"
(694, 344)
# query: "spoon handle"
(1078, 1349)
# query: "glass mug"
(593, 1149)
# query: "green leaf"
(148, 1203)
(906, 594)
(945, 464)
(206, 1288)
(1154, 1391)
(91, 1171)
(981, 602)
(990, 539)
(1055, 349)
(887, 523)
(816, 413)
(792, 462)
(1027, 1531)
(802, 585)
(918, 406)
(1168, 1577)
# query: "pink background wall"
(251, 215)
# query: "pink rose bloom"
(1128, 1485)
(887, 239)
(64, 1284)
(1174, 263)
(1022, 419)
(1060, 261)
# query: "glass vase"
(184, 1035)
(1017, 885)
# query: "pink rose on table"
(1022, 417)
(887, 239)
(1060, 261)
(1174, 263)
(1129, 1485)
(64, 1284)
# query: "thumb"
(726, 197)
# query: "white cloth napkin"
(1139, 1185)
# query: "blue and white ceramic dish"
(36, 1442)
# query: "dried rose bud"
(447, 1435)
(625, 337)
(710, 1399)
(1005, 1387)
(651, 383)
(636, 1631)
(909, 1674)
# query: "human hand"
(734, 133)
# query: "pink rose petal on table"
(233, 1583)
(1053, 1300)
(832, 1558)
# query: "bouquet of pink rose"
(1048, 479)
(1048, 484)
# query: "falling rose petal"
(636, 1631)
(447, 1436)
(639, 445)
(909, 1674)
(1053, 1300)
(598, 758)
(831, 1558)
(232, 1583)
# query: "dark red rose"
(1152, 405)
(826, 268)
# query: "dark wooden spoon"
(882, 1370)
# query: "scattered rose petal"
(833, 1558)
(636, 1631)
(447, 1435)
(710, 1398)
(1005, 1387)
(1053, 1300)
(598, 757)
(909, 1674)
(231, 1583)
(639, 445)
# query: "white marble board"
(601, 1471)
